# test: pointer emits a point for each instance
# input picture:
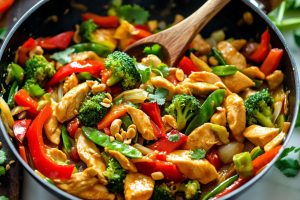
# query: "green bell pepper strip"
(218, 56)
(243, 164)
(16, 71)
(65, 139)
(207, 109)
(13, 90)
(103, 140)
(99, 49)
(225, 70)
(222, 186)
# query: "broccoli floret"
(259, 110)
(33, 88)
(123, 70)
(114, 173)
(87, 29)
(162, 192)
(39, 69)
(91, 110)
(183, 108)
(191, 190)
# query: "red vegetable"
(272, 61)
(142, 33)
(91, 66)
(153, 111)
(5, 5)
(102, 21)
(263, 49)
(214, 159)
(41, 160)
(60, 41)
(170, 171)
(24, 50)
(172, 77)
(165, 145)
(72, 127)
(115, 112)
(22, 98)
(187, 66)
(22, 152)
(20, 128)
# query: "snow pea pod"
(225, 70)
(218, 56)
(103, 140)
(99, 49)
(207, 109)
(13, 90)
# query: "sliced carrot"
(272, 61)
(115, 112)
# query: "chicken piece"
(200, 170)
(142, 122)
(123, 160)
(180, 88)
(169, 122)
(200, 45)
(69, 105)
(204, 76)
(151, 60)
(254, 72)
(238, 44)
(85, 185)
(277, 140)
(160, 82)
(231, 55)
(90, 155)
(200, 88)
(57, 155)
(275, 79)
(202, 138)
(70, 83)
(219, 117)
(86, 55)
(237, 82)
(236, 115)
(52, 127)
(259, 135)
(138, 186)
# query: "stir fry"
(100, 124)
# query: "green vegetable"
(243, 164)
(221, 187)
(104, 141)
(67, 143)
(2, 171)
(183, 107)
(123, 70)
(13, 90)
(99, 49)
(259, 108)
(155, 49)
(33, 88)
(288, 166)
(162, 192)
(144, 72)
(14, 72)
(173, 137)
(207, 109)
(87, 29)
(3, 198)
(297, 36)
(218, 55)
(91, 110)
(197, 154)
(159, 96)
(3, 32)
(224, 70)
(257, 151)
(126, 121)
(258, 83)
(133, 14)
(161, 70)
(280, 121)
(63, 57)
(2, 157)
(191, 190)
(114, 173)
(83, 76)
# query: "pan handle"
(266, 5)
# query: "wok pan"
(34, 23)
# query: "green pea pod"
(99, 49)
(103, 140)
(126, 122)
(67, 144)
(225, 70)
(218, 56)
(221, 187)
(13, 90)
(207, 109)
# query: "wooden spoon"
(176, 39)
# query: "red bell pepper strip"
(91, 66)
(20, 128)
(102, 21)
(170, 171)
(214, 159)
(41, 160)
(60, 41)
(24, 50)
(22, 152)
(187, 66)
(164, 144)
(72, 127)
(272, 61)
(153, 111)
(141, 34)
(22, 98)
(263, 49)
(115, 112)
(5, 5)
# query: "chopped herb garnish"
(159, 96)
(287, 165)
(173, 137)
(197, 154)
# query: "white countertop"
(273, 185)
